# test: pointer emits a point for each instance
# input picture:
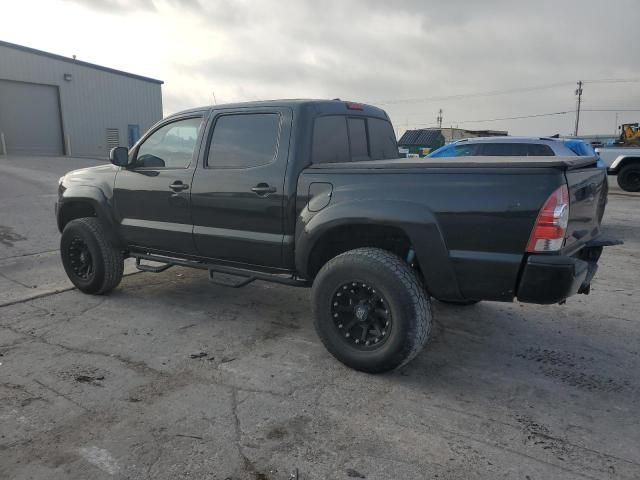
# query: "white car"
(625, 163)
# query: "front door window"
(171, 146)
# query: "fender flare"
(620, 162)
(95, 197)
(415, 220)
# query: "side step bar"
(247, 275)
(151, 268)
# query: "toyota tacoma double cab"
(310, 193)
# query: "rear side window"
(465, 150)
(580, 148)
(383, 139)
(244, 140)
(330, 140)
(512, 149)
(504, 149)
(338, 138)
(539, 150)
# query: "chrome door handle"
(178, 186)
(263, 189)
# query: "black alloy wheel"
(370, 310)
(80, 258)
(361, 316)
(92, 263)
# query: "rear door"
(588, 190)
(237, 196)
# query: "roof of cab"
(322, 107)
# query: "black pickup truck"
(311, 193)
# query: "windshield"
(454, 150)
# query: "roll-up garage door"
(30, 118)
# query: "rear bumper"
(551, 279)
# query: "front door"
(237, 198)
(152, 195)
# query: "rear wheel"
(370, 310)
(92, 264)
(629, 178)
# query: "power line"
(536, 115)
(503, 118)
(608, 109)
(492, 93)
(470, 95)
(614, 80)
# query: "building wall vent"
(113, 138)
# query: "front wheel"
(629, 178)
(370, 310)
(92, 264)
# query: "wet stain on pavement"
(8, 237)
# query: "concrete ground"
(171, 377)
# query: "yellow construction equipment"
(629, 135)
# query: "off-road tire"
(405, 297)
(629, 178)
(107, 261)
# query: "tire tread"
(622, 179)
(112, 258)
(420, 327)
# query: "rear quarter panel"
(469, 227)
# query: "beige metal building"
(56, 105)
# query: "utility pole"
(439, 118)
(579, 94)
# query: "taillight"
(551, 225)
(354, 106)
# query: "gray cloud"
(379, 50)
(117, 6)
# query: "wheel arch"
(86, 201)
(623, 161)
(396, 226)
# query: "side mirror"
(119, 156)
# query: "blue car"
(517, 147)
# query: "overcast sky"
(410, 57)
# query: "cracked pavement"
(171, 377)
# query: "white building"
(55, 105)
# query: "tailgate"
(588, 190)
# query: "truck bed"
(482, 210)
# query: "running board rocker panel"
(248, 276)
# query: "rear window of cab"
(340, 138)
